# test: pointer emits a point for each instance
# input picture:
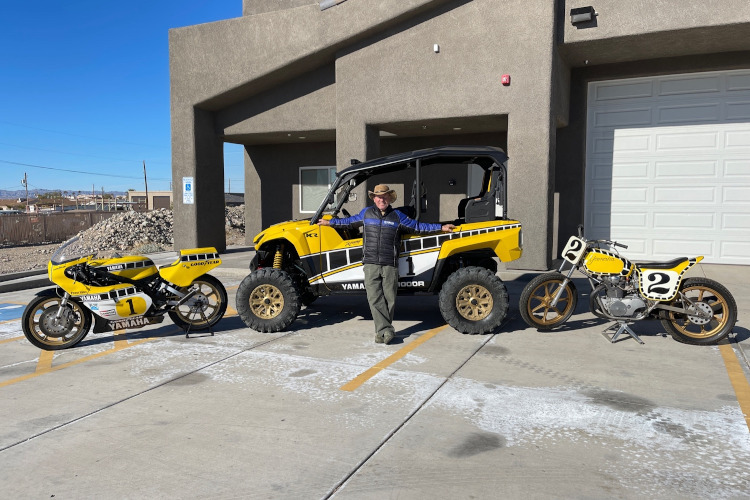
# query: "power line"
(79, 171)
(74, 154)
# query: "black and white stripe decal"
(341, 259)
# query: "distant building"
(156, 200)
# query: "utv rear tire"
(268, 300)
(473, 300)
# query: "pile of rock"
(235, 217)
(146, 232)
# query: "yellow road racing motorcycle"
(693, 310)
(122, 293)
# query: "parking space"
(322, 411)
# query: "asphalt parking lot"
(321, 411)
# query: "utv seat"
(477, 208)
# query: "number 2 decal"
(573, 250)
(658, 284)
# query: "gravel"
(126, 233)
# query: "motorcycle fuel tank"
(605, 263)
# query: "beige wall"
(292, 82)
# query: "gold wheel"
(474, 302)
(707, 300)
(266, 301)
(536, 301)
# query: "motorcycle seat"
(670, 264)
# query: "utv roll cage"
(471, 209)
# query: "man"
(383, 227)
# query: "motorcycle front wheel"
(708, 296)
(536, 301)
(44, 329)
(204, 308)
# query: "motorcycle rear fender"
(659, 282)
(190, 264)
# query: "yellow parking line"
(12, 339)
(737, 378)
(367, 375)
(44, 364)
(50, 368)
(231, 311)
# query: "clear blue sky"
(84, 86)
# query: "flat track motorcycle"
(693, 310)
(122, 293)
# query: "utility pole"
(93, 196)
(102, 198)
(26, 185)
(145, 181)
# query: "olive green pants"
(381, 284)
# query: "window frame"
(331, 177)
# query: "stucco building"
(635, 121)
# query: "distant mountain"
(21, 193)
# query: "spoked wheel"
(204, 308)
(44, 329)
(473, 300)
(268, 300)
(536, 301)
(718, 306)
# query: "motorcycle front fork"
(63, 303)
(562, 285)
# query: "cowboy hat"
(381, 190)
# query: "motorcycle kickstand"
(187, 332)
(621, 326)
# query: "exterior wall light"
(582, 14)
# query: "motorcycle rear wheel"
(536, 298)
(709, 295)
(45, 331)
(205, 308)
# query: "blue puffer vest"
(382, 233)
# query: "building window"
(314, 184)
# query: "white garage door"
(668, 165)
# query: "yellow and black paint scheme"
(190, 264)
(601, 262)
(122, 301)
(661, 280)
(332, 258)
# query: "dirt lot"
(25, 258)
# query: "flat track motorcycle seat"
(670, 264)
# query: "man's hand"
(324, 222)
(447, 228)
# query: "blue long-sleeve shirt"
(382, 233)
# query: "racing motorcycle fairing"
(190, 264)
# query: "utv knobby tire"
(71, 330)
(473, 300)
(212, 305)
(536, 297)
(268, 300)
(709, 294)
